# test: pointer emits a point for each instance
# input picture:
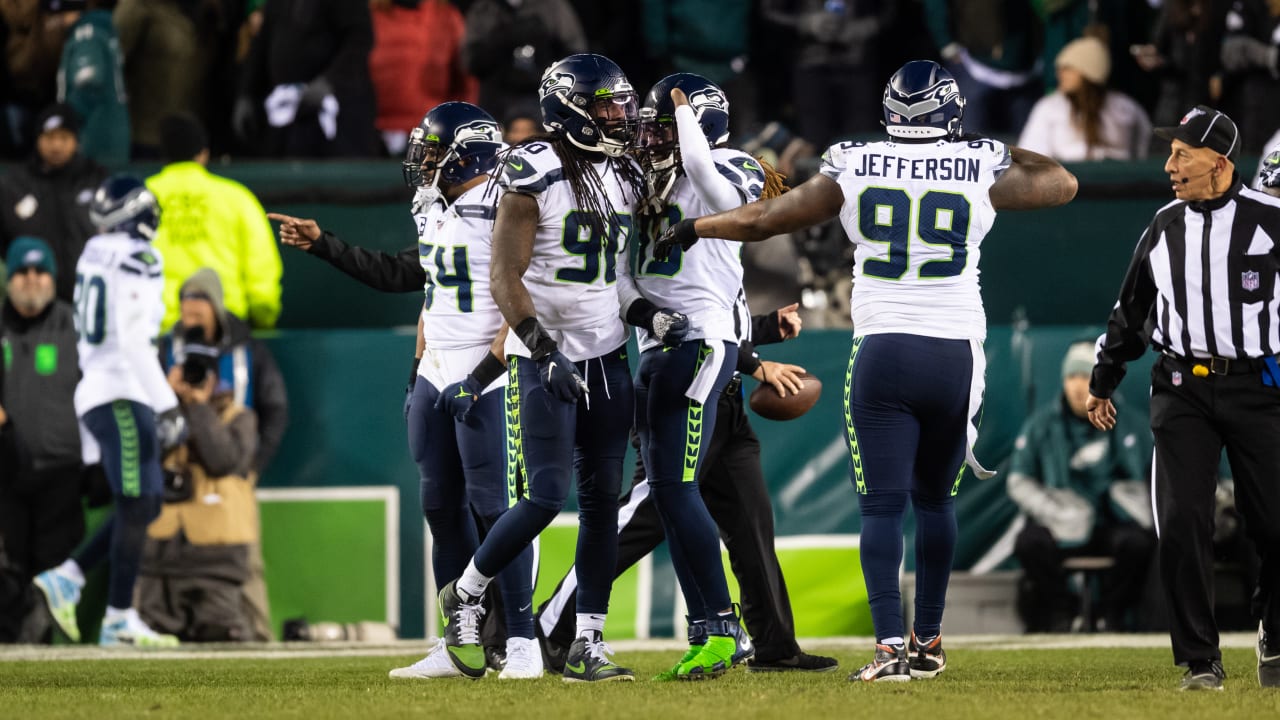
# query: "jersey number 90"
(886, 215)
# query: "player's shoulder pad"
(744, 171)
(836, 158)
(530, 168)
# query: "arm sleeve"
(1126, 339)
(765, 329)
(711, 187)
(270, 403)
(376, 269)
(262, 268)
(223, 448)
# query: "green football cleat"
(461, 622)
(588, 661)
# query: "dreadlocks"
(775, 183)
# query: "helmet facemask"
(616, 117)
(656, 145)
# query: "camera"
(199, 358)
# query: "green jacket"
(91, 81)
(210, 221)
(1068, 475)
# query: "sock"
(472, 584)
(891, 641)
(71, 569)
(588, 623)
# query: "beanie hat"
(27, 251)
(206, 285)
(1079, 360)
(58, 116)
(1089, 56)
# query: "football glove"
(560, 377)
(682, 234)
(458, 398)
(171, 429)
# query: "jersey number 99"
(885, 215)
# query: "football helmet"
(1269, 171)
(922, 100)
(122, 203)
(587, 100)
(657, 140)
(455, 142)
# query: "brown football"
(767, 403)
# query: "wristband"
(488, 370)
(413, 374)
(534, 337)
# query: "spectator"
(32, 46)
(196, 558)
(509, 43)
(990, 46)
(49, 196)
(213, 222)
(1251, 86)
(1084, 493)
(834, 75)
(1183, 57)
(249, 371)
(40, 517)
(416, 63)
(89, 80)
(1082, 119)
(520, 123)
(315, 97)
(168, 51)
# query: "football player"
(456, 414)
(559, 255)
(684, 126)
(916, 206)
(128, 413)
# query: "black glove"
(682, 234)
(560, 377)
(171, 429)
(244, 121)
(408, 389)
(313, 94)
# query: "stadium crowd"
(88, 85)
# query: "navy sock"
(881, 552)
(935, 547)
(129, 534)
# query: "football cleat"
(1268, 659)
(697, 638)
(461, 622)
(926, 660)
(129, 630)
(61, 594)
(803, 662)
(889, 665)
(1203, 675)
(588, 661)
(524, 660)
(436, 665)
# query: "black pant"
(1193, 419)
(41, 522)
(734, 490)
(1043, 599)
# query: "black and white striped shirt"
(1202, 284)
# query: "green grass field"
(980, 682)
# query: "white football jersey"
(119, 305)
(454, 249)
(705, 281)
(917, 213)
(575, 267)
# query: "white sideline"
(297, 650)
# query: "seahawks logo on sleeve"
(530, 169)
(743, 171)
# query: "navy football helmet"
(588, 100)
(455, 142)
(122, 203)
(657, 138)
(922, 100)
(1269, 171)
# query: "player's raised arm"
(1032, 181)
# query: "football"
(767, 403)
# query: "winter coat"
(416, 62)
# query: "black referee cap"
(1205, 127)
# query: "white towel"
(705, 380)
(976, 387)
(282, 108)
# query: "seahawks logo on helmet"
(1269, 175)
(479, 130)
(708, 98)
(929, 100)
(557, 82)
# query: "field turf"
(982, 681)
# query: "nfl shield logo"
(1249, 280)
(1177, 378)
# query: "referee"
(1202, 289)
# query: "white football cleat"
(436, 665)
(524, 660)
(129, 630)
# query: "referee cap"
(1205, 127)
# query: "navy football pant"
(906, 422)
(462, 468)
(674, 434)
(126, 432)
(554, 440)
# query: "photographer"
(248, 368)
(196, 559)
